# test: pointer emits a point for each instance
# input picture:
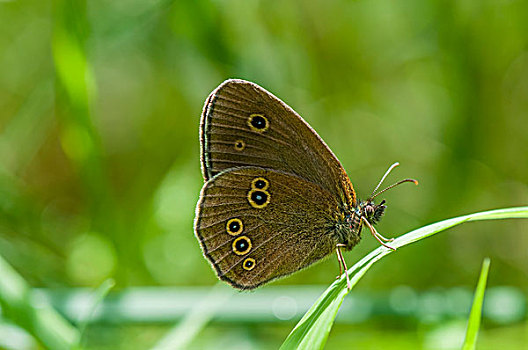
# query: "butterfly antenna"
(374, 194)
(383, 178)
(394, 185)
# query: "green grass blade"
(313, 329)
(33, 314)
(99, 294)
(476, 310)
(180, 336)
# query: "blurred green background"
(100, 173)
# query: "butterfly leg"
(376, 234)
(339, 263)
(342, 262)
(384, 239)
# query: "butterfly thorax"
(348, 229)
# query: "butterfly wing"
(255, 224)
(245, 125)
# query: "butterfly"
(275, 199)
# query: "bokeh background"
(100, 173)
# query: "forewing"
(245, 125)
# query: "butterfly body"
(275, 198)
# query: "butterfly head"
(371, 211)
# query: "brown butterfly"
(276, 199)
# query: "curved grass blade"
(180, 336)
(98, 296)
(476, 310)
(313, 329)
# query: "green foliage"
(100, 104)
